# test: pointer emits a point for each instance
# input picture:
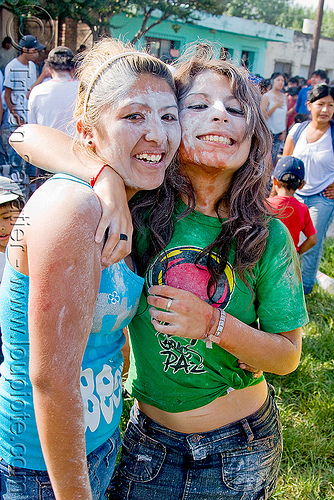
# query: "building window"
(247, 59)
(226, 53)
(283, 67)
(162, 48)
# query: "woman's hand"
(279, 103)
(329, 191)
(184, 314)
(282, 136)
(256, 371)
(116, 217)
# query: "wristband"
(93, 179)
(215, 337)
(221, 323)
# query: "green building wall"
(183, 34)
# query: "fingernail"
(98, 239)
(17, 136)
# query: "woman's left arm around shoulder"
(64, 277)
(59, 154)
(191, 317)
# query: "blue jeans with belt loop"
(24, 484)
(237, 461)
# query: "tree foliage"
(257, 10)
(294, 16)
(98, 14)
(283, 13)
(327, 27)
(173, 10)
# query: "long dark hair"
(248, 215)
(319, 91)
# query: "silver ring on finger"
(169, 303)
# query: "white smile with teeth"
(147, 157)
(216, 138)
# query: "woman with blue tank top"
(62, 315)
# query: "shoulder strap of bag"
(300, 129)
(332, 134)
(303, 126)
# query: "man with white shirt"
(52, 102)
(20, 76)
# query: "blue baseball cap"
(30, 42)
(289, 165)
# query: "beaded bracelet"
(220, 324)
(215, 337)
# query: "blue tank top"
(101, 371)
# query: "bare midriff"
(222, 411)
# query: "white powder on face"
(143, 122)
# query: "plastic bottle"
(325, 282)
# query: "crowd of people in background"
(300, 110)
(24, 100)
(283, 113)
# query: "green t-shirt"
(178, 374)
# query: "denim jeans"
(322, 214)
(25, 484)
(277, 143)
(16, 161)
(238, 461)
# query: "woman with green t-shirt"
(223, 302)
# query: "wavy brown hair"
(248, 215)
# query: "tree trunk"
(61, 31)
(144, 28)
(71, 34)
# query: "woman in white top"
(274, 106)
(312, 142)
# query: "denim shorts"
(25, 484)
(238, 461)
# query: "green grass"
(327, 262)
(306, 402)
